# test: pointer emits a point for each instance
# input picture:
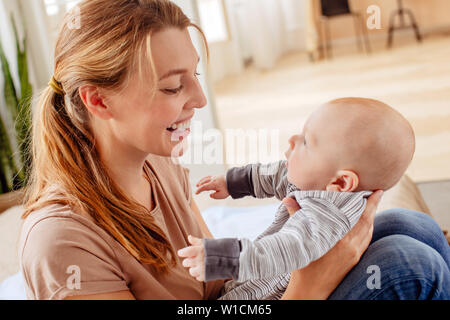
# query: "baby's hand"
(194, 258)
(216, 183)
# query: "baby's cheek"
(297, 175)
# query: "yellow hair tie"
(56, 86)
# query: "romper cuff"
(221, 258)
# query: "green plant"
(12, 175)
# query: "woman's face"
(144, 123)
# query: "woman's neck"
(125, 166)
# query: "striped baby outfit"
(261, 269)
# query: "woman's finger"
(368, 216)
(291, 205)
(372, 204)
(361, 235)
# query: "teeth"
(183, 125)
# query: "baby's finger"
(202, 180)
(189, 262)
(195, 272)
(216, 195)
(205, 187)
(188, 252)
(194, 240)
(201, 277)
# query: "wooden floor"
(413, 78)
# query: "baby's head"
(351, 144)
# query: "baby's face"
(349, 144)
(311, 157)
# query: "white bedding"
(12, 288)
(223, 222)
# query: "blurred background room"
(271, 62)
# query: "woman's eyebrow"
(175, 72)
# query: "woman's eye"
(174, 91)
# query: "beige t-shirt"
(58, 247)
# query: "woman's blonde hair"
(103, 52)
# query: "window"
(213, 20)
(56, 9)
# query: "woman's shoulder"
(57, 216)
(54, 242)
(57, 227)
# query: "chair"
(335, 8)
(400, 12)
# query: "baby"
(349, 148)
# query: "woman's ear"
(345, 181)
(94, 102)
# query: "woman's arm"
(319, 279)
(127, 295)
(120, 295)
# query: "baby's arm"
(324, 219)
(211, 259)
(258, 180)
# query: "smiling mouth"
(180, 126)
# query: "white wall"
(261, 30)
(206, 115)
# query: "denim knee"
(417, 225)
(407, 269)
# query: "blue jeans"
(408, 258)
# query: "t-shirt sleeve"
(62, 257)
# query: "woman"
(107, 208)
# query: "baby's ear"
(344, 181)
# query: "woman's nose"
(198, 96)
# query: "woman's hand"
(217, 183)
(319, 279)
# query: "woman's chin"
(178, 142)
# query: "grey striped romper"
(261, 269)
